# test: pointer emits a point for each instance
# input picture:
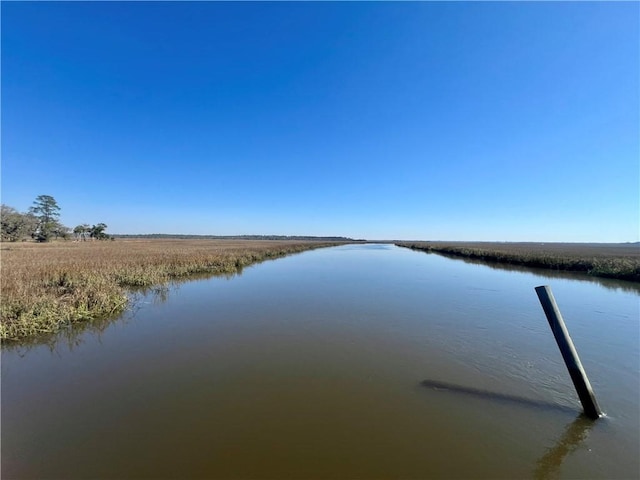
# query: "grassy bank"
(620, 261)
(46, 287)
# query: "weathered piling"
(568, 351)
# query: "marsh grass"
(48, 287)
(620, 261)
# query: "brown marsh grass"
(47, 287)
(621, 261)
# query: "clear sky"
(419, 120)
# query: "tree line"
(181, 236)
(42, 224)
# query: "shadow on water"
(447, 387)
(548, 466)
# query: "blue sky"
(498, 121)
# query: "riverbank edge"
(617, 268)
(100, 297)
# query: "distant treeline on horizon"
(236, 237)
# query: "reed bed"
(621, 261)
(48, 287)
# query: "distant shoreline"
(608, 260)
(180, 236)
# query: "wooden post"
(568, 351)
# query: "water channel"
(358, 362)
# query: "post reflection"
(548, 466)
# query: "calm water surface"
(364, 361)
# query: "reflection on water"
(71, 336)
(75, 334)
(610, 283)
(548, 466)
